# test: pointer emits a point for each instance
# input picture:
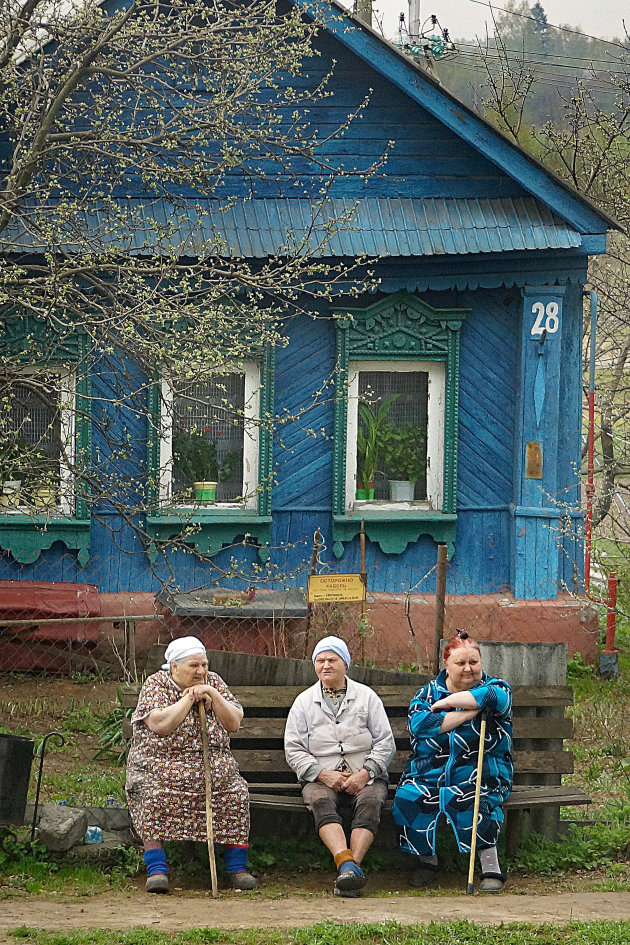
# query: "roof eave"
(427, 91)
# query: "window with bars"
(394, 433)
(395, 423)
(37, 450)
(209, 443)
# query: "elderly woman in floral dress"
(165, 772)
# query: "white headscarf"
(181, 649)
(334, 644)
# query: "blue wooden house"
(469, 344)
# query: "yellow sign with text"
(335, 587)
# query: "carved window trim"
(36, 344)
(212, 528)
(402, 328)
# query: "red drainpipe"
(590, 486)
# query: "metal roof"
(257, 228)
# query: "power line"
(548, 65)
(564, 29)
(547, 57)
(549, 80)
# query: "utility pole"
(363, 10)
(414, 21)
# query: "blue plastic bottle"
(93, 835)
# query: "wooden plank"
(399, 697)
(271, 729)
(518, 800)
(538, 762)
(544, 794)
(282, 697)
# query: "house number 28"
(546, 318)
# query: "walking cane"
(206, 771)
(470, 888)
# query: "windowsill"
(412, 519)
(361, 506)
(25, 536)
(214, 512)
(208, 528)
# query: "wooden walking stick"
(470, 888)
(208, 779)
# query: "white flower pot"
(401, 491)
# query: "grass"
(26, 867)
(601, 746)
(328, 933)
(86, 783)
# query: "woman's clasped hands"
(201, 693)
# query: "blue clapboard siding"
(570, 442)
(302, 498)
(424, 158)
(487, 400)
(304, 461)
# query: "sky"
(466, 19)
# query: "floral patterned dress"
(165, 776)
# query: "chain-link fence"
(66, 650)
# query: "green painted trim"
(32, 340)
(37, 342)
(340, 421)
(209, 530)
(392, 531)
(26, 536)
(265, 439)
(451, 412)
(400, 327)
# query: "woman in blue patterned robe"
(439, 777)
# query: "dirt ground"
(181, 910)
(304, 900)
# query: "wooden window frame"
(35, 346)
(214, 527)
(399, 329)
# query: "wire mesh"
(63, 661)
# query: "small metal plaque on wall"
(335, 587)
(533, 461)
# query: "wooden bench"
(540, 760)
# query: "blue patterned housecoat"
(439, 777)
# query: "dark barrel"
(16, 756)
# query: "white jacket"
(315, 739)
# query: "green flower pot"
(205, 492)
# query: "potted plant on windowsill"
(369, 442)
(13, 466)
(405, 458)
(42, 487)
(195, 461)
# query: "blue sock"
(155, 861)
(235, 858)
